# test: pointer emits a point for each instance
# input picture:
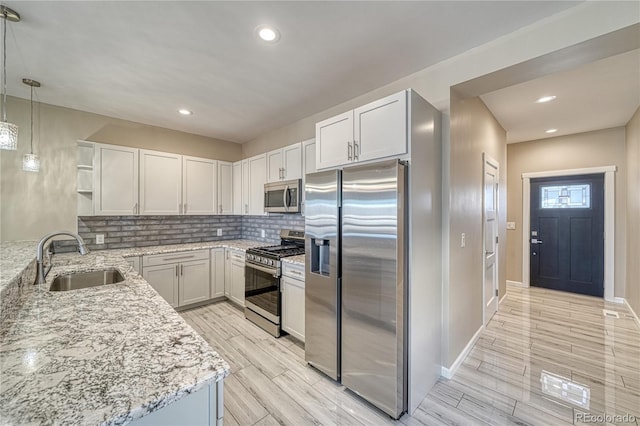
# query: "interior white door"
(490, 252)
(198, 186)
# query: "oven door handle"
(263, 269)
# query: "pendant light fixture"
(30, 162)
(8, 131)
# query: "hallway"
(537, 334)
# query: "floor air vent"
(610, 314)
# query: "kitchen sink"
(86, 279)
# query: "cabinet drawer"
(183, 256)
(293, 271)
(236, 255)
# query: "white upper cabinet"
(160, 183)
(380, 128)
(308, 157)
(370, 132)
(274, 165)
(199, 186)
(225, 188)
(245, 187)
(257, 179)
(238, 207)
(285, 163)
(115, 180)
(334, 141)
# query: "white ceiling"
(142, 61)
(599, 95)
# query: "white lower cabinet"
(234, 285)
(180, 278)
(292, 288)
(217, 286)
(204, 407)
(193, 286)
(164, 280)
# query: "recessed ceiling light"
(551, 131)
(268, 33)
(545, 99)
(185, 111)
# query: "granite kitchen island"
(109, 355)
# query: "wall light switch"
(511, 225)
(463, 242)
(262, 233)
(99, 238)
(219, 232)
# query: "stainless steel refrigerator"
(356, 274)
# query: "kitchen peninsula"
(111, 354)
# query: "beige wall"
(632, 291)
(592, 149)
(474, 130)
(32, 204)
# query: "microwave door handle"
(285, 194)
(288, 191)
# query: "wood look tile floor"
(537, 338)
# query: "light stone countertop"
(102, 355)
(296, 260)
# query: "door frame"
(488, 159)
(609, 221)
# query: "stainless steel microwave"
(283, 197)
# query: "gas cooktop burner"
(292, 244)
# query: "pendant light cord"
(4, 65)
(31, 119)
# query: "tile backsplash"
(252, 226)
(141, 231)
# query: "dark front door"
(567, 234)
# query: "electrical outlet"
(463, 242)
(99, 238)
(511, 225)
(262, 233)
(219, 232)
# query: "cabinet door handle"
(246, 208)
(176, 270)
(185, 208)
(349, 150)
(356, 151)
(181, 270)
(135, 208)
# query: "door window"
(565, 196)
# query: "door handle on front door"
(536, 241)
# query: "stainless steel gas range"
(262, 296)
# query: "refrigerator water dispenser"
(320, 256)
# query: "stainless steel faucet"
(42, 274)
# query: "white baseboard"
(516, 284)
(502, 298)
(635, 316)
(618, 300)
(448, 373)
